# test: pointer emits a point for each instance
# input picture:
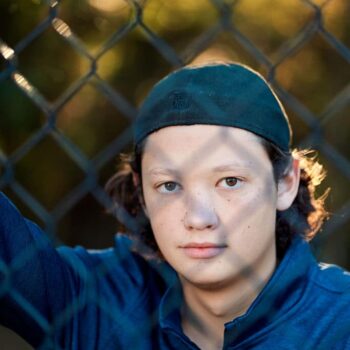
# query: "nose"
(200, 213)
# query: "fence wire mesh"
(169, 51)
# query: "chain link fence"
(226, 23)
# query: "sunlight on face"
(211, 200)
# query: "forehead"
(205, 146)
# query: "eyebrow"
(217, 169)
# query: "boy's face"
(211, 199)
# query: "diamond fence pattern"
(91, 166)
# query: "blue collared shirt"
(72, 298)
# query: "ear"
(288, 186)
(137, 183)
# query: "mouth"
(204, 250)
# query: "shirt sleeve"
(35, 284)
(70, 297)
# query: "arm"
(35, 284)
(72, 294)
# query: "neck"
(206, 310)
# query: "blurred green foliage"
(314, 74)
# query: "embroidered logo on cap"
(179, 100)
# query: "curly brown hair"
(304, 217)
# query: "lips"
(204, 245)
(204, 250)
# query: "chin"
(208, 282)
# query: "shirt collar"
(169, 308)
(284, 289)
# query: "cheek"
(156, 202)
(250, 229)
(250, 212)
(165, 216)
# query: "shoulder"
(332, 278)
(86, 261)
(329, 303)
(118, 265)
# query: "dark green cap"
(217, 94)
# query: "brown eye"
(231, 181)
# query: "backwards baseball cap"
(217, 94)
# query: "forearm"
(32, 276)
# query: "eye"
(167, 187)
(230, 182)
